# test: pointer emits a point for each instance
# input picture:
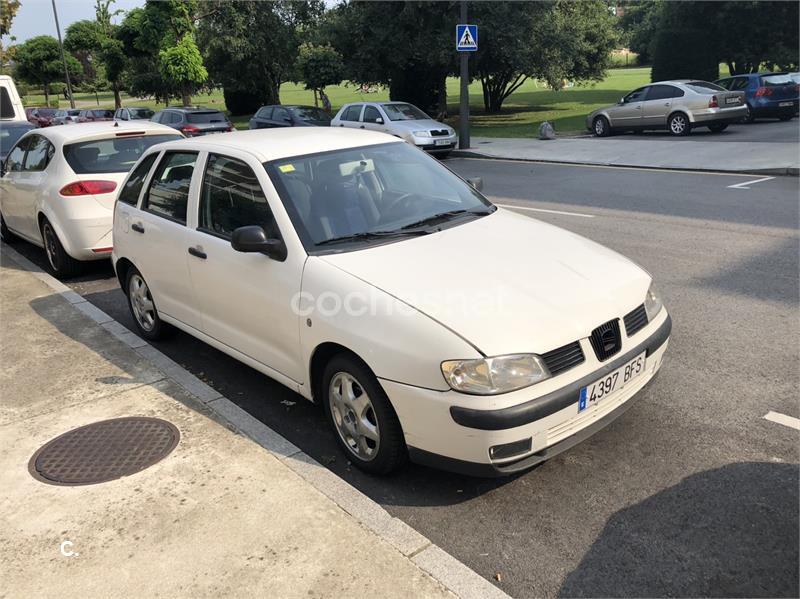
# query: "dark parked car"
(290, 116)
(133, 113)
(66, 116)
(10, 132)
(40, 117)
(194, 121)
(767, 94)
(95, 114)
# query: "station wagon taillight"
(189, 130)
(763, 91)
(87, 188)
(712, 103)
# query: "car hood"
(505, 283)
(420, 125)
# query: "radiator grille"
(563, 358)
(635, 320)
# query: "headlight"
(652, 302)
(422, 133)
(490, 376)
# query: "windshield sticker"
(286, 168)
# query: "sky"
(35, 17)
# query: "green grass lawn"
(521, 116)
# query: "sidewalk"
(219, 516)
(774, 158)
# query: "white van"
(11, 108)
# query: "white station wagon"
(364, 275)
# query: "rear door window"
(115, 155)
(133, 186)
(663, 92)
(168, 195)
(265, 113)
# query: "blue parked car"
(767, 94)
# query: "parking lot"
(762, 131)
(692, 485)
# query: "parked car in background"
(41, 117)
(267, 117)
(11, 108)
(775, 95)
(193, 122)
(10, 132)
(677, 106)
(66, 116)
(58, 187)
(250, 241)
(795, 77)
(133, 113)
(95, 114)
(400, 119)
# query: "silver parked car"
(400, 119)
(677, 106)
(66, 116)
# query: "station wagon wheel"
(601, 127)
(143, 308)
(679, 124)
(60, 264)
(365, 423)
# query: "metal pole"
(463, 129)
(63, 57)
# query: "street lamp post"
(463, 123)
(63, 57)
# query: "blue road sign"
(467, 38)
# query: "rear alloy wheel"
(5, 233)
(749, 116)
(718, 128)
(366, 425)
(143, 308)
(787, 117)
(679, 124)
(601, 127)
(60, 264)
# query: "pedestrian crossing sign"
(466, 38)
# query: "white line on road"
(743, 184)
(544, 210)
(783, 419)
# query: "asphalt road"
(691, 492)
(763, 130)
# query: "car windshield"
(773, 80)
(347, 198)
(110, 155)
(310, 114)
(404, 112)
(9, 134)
(703, 87)
(140, 113)
(211, 116)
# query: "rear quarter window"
(133, 186)
(110, 155)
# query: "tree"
(639, 24)
(552, 41)
(319, 66)
(682, 53)
(38, 61)
(250, 48)
(8, 10)
(183, 64)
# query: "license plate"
(613, 381)
(731, 100)
(785, 104)
(442, 142)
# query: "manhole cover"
(104, 451)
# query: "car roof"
(192, 109)
(274, 144)
(99, 129)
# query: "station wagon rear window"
(212, 116)
(772, 80)
(110, 155)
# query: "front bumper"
(429, 144)
(443, 430)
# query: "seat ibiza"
(361, 273)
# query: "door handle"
(137, 227)
(639, 107)
(666, 103)
(198, 253)
(362, 126)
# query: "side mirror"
(476, 182)
(621, 101)
(379, 121)
(253, 238)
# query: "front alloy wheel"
(601, 127)
(354, 416)
(679, 124)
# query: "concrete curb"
(447, 570)
(779, 172)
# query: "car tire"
(750, 115)
(443, 155)
(787, 117)
(601, 127)
(719, 128)
(143, 308)
(363, 419)
(60, 264)
(679, 124)
(6, 235)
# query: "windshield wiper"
(371, 235)
(441, 217)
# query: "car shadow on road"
(727, 532)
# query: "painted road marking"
(745, 183)
(783, 419)
(512, 206)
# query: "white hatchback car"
(400, 119)
(369, 278)
(59, 185)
